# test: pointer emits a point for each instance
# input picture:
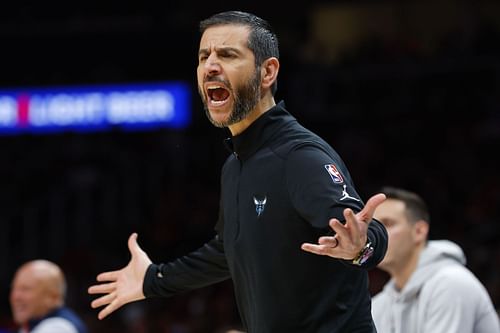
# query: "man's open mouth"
(217, 94)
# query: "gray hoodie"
(441, 296)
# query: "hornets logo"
(260, 204)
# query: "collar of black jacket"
(259, 132)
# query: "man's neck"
(402, 275)
(264, 105)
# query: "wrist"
(363, 255)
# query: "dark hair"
(416, 208)
(262, 41)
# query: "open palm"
(122, 286)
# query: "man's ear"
(421, 229)
(269, 71)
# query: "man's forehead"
(390, 207)
(225, 35)
(25, 278)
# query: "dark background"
(408, 92)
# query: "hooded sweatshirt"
(441, 296)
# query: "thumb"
(374, 201)
(132, 244)
(367, 213)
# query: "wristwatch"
(363, 255)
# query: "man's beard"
(245, 97)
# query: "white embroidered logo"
(260, 204)
(346, 195)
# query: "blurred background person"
(430, 289)
(37, 300)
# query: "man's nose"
(212, 65)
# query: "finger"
(102, 288)
(329, 241)
(103, 300)
(108, 276)
(316, 249)
(133, 246)
(339, 228)
(114, 305)
(351, 224)
(366, 214)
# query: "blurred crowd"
(398, 115)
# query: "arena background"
(408, 92)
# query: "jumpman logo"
(346, 195)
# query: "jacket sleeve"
(200, 268)
(377, 236)
(321, 188)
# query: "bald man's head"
(38, 288)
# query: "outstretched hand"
(350, 238)
(122, 286)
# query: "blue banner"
(89, 108)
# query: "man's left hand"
(350, 238)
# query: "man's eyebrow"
(220, 49)
(228, 49)
(202, 52)
(387, 220)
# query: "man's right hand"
(122, 286)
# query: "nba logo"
(334, 173)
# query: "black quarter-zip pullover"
(280, 188)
